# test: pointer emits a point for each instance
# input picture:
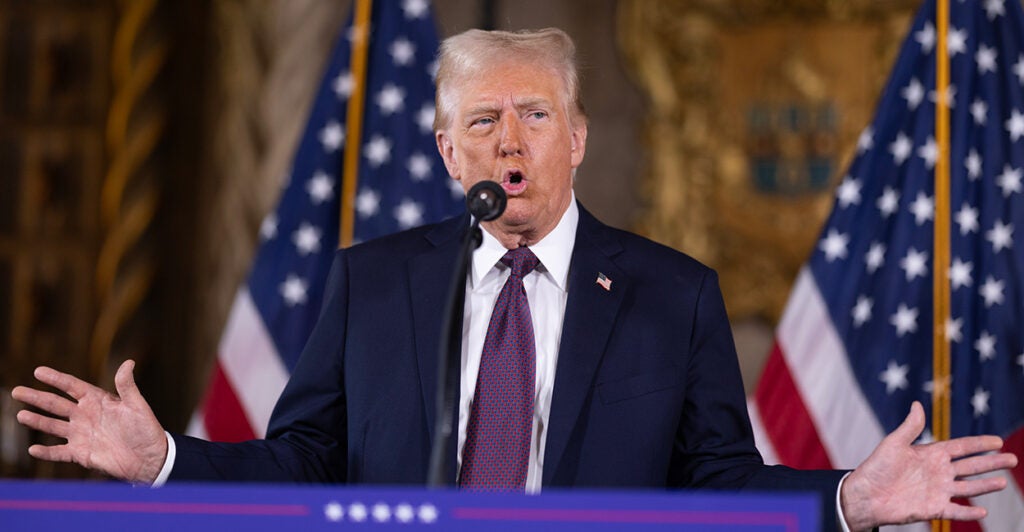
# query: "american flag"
(402, 183)
(854, 346)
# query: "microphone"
(486, 200)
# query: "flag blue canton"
(402, 180)
(875, 256)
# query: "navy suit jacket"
(647, 388)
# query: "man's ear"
(447, 151)
(578, 143)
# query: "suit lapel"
(430, 274)
(590, 316)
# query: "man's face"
(511, 125)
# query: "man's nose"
(511, 137)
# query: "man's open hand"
(901, 482)
(115, 434)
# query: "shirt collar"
(554, 250)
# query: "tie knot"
(521, 260)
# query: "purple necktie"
(497, 450)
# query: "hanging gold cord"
(354, 126)
(940, 269)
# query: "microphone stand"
(450, 358)
(485, 201)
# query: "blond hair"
(464, 54)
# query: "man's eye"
(485, 121)
(538, 114)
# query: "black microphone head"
(486, 200)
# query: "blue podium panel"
(75, 506)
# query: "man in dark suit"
(617, 368)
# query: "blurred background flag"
(854, 346)
(401, 183)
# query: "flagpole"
(354, 124)
(940, 270)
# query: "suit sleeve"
(715, 443)
(306, 440)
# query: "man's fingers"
(960, 512)
(73, 386)
(47, 401)
(977, 486)
(52, 453)
(969, 445)
(911, 428)
(124, 381)
(977, 465)
(49, 425)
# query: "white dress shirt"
(547, 293)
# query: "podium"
(49, 505)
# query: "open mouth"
(514, 183)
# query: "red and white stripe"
(808, 411)
(246, 381)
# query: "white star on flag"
(861, 311)
(979, 111)
(953, 328)
(367, 203)
(320, 187)
(1001, 236)
(293, 290)
(973, 164)
(901, 148)
(425, 118)
(923, 208)
(408, 214)
(358, 512)
(402, 51)
(306, 239)
(956, 41)
(377, 151)
(1015, 125)
(875, 256)
(413, 9)
(331, 136)
(390, 99)
(913, 93)
(979, 401)
(960, 273)
(915, 264)
(926, 37)
(986, 59)
(888, 202)
(992, 292)
(1020, 360)
(905, 320)
(268, 227)
(848, 192)
(1009, 180)
(1018, 68)
(894, 377)
(986, 346)
(343, 85)
(866, 140)
(834, 245)
(427, 513)
(419, 166)
(929, 152)
(967, 219)
(994, 8)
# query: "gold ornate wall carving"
(754, 110)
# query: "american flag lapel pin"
(604, 281)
